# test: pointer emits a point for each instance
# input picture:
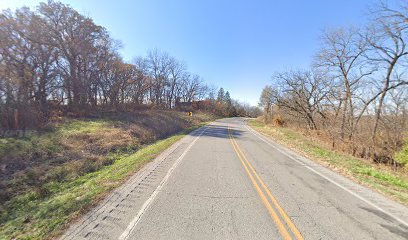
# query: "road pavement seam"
(149, 201)
(328, 179)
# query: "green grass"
(56, 154)
(402, 156)
(48, 142)
(381, 178)
(31, 216)
(56, 174)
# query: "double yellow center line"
(261, 188)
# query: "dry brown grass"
(74, 147)
(383, 178)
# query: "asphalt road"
(225, 181)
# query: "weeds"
(379, 177)
(64, 170)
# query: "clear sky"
(235, 44)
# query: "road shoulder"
(110, 218)
(382, 204)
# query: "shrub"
(402, 156)
(278, 121)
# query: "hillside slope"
(50, 177)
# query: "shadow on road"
(218, 131)
(394, 228)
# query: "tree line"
(56, 58)
(355, 93)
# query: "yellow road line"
(281, 227)
(273, 199)
(291, 225)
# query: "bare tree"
(343, 56)
(140, 81)
(76, 37)
(302, 94)
(55, 58)
(387, 38)
(266, 101)
(176, 71)
(158, 65)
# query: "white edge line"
(327, 178)
(149, 201)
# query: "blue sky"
(234, 44)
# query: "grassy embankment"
(51, 177)
(379, 177)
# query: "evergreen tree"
(228, 109)
(221, 96)
(227, 99)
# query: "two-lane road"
(225, 181)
